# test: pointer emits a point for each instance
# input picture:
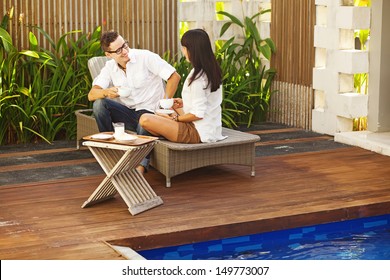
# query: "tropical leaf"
(30, 53)
(266, 51)
(224, 28)
(33, 41)
(231, 17)
(6, 40)
(252, 29)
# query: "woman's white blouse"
(200, 101)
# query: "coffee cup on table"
(166, 103)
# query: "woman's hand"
(177, 103)
(172, 116)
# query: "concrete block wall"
(335, 103)
(202, 14)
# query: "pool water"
(360, 239)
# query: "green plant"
(12, 89)
(69, 81)
(246, 81)
(41, 88)
(182, 66)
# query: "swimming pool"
(359, 239)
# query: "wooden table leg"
(135, 191)
(104, 191)
(123, 178)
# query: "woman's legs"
(160, 126)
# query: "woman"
(197, 116)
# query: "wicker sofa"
(172, 159)
(86, 125)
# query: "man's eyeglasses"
(119, 50)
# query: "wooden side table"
(119, 162)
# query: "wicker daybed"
(172, 159)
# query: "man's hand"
(97, 92)
(111, 92)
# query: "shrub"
(41, 88)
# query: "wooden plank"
(45, 221)
(290, 141)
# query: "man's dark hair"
(107, 38)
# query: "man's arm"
(172, 84)
(97, 92)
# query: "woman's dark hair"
(107, 38)
(202, 57)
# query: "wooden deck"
(44, 219)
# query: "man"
(143, 73)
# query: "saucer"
(102, 136)
(165, 111)
(125, 137)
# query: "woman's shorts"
(188, 133)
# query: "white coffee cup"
(166, 103)
(124, 91)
